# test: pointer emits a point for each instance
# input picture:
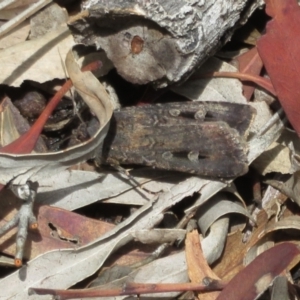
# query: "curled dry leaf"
(289, 187)
(21, 168)
(13, 124)
(263, 238)
(213, 244)
(217, 207)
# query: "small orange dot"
(34, 225)
(18, 262)
(137, 44)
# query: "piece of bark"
(159, 41)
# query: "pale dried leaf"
(213, 89)
(289, 187)
(13, 124)
(213, 244)
(7, 261)
(291, 222)
(278, 156)
(159, 235)
(74, 189)
(163, 181)
(275, 159)
(280, 290)
(7, 14)
(8, 132)
(170, 269)
(47, 19)
(18, 35)
(265, 240)
(263, 114)
(272, 198)
(39, 60)
(261, 142)
(173, 268)
(22, 16)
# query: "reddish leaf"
(279, 50)
(57, 228)
(260, 273)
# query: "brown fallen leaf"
(260, 273)
(198, 268)
(57, 228)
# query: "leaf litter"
(79, 251)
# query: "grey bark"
(160, 41)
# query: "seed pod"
(160, 41)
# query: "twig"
(23, 218)
(5, 3)
(131, 289)
(261, 81)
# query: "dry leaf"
(289, 186)
(57, 229)
(214, 89)
(260, 273)
(279, 50)
(13, 124)
(198, 268)
(217, 207)
(62, 272)
(21, 168)
(39, 60)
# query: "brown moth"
(203, 138)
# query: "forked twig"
(24, 218)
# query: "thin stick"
(261, 81)
(130, 289)
(5, 3)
